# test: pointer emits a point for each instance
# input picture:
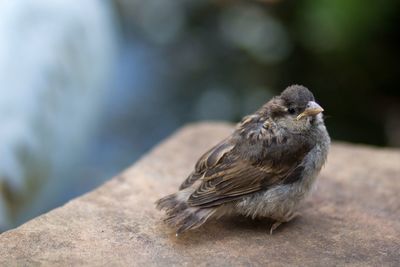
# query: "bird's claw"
(274, 226)
(277, 223)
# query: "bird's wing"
(234, 177)
(208, 160)
(228, 182)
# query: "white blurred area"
(56, 58)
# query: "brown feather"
(207, 160)
(232, 176)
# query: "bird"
(264, 169)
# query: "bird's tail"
(180, 214)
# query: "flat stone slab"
(352, 218)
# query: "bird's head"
(295, 108)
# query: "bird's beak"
(312, 109)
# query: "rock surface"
(352, 218)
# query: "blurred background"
(87, 88)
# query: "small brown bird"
(265, 168)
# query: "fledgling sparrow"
(265, 168)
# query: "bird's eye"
(291, 111)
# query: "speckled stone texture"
(352, 218)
